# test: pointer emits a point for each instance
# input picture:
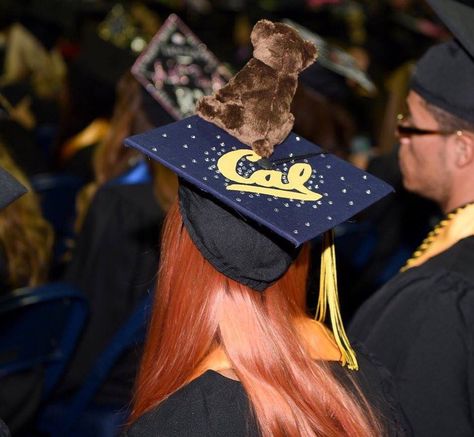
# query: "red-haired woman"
(222, 359)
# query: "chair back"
(57, 193)
(39, 326)
(80, 417)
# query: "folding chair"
(79, 416)
(57, 193)
(39, 327)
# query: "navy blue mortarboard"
(299, 193)
(10, 188)
(444, 76)
(248, 215)
(177, 69)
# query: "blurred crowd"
(68, 100)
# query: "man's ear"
(464, 148)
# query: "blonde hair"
(25, 236)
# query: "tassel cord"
(328, 301)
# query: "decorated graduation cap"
(335, 59)
(444, 76)
(10, 188)
(251, 192)
(177, 69)
(120, 29)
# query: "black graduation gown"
(214, 405)
(20, 398)
(420, 325)
(81, 163)
(114, 264)
(4, 431)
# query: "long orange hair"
(197, 309)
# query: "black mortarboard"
(335, 60)
(444, 76)
(177, 69)
(95, 73)
(10, 188)
(458, 17)
(102, 60)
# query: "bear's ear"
(262, 29)
(309, 54)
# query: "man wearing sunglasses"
(421, 323)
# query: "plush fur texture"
(255, 105)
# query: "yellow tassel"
(329, 300)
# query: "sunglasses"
(407, 131)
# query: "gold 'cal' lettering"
(268, 182)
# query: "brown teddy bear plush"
(255, 105)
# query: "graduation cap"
(10, 188)
(249, 215)
(421, 26)
(177, 69)
(299, 193)
(335, 59)
(444, 76)
(104, 61)
(119, 28)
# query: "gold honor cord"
(329, 299)
(428, 242)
